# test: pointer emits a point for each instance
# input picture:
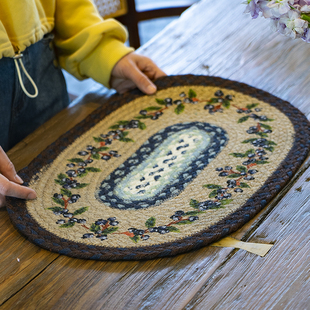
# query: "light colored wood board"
(280, 280)
(20, 260)
(219, 36)
(160, 283)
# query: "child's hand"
(9, 181)
(134, 70)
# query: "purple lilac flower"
(256, 6)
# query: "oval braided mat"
(155, 176)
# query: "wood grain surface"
(215, 38)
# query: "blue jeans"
(19, 114)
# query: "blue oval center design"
(163, 166)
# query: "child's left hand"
(135, 70)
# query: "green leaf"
(267, 120)
(270, 148)
(173, 229)
(141, 126)
(226, 202)
(80, 210)
(237, 154)
(114, 127)
(66, 192)
(94, 227)
(241, 168)
(98, 139)
(160, 101)
(126, 140)
(192, 213)
(214, 100)
(243, 119)
(61, 176)
(59, 182)
(249, 140)
(123, 123)
(244, 185)
(82, 175)
(58, 201)
(82, 185)
(213, 194)
(124, 134)
(262, 162)
(191, 94)
(262, 134)
(76, 160)
(184, 222)
(212, 186)
(135, 239)
(179, 109)
(55, 209)
(150, 222)
(226, 104)
(153, 108)
(95, 156)
(110, 230)
(92, 169)
(233, 175)
(271, 143)
(265, 126)
(67, 225)
(194, 203)
(251, 106)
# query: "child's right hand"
(10, 181)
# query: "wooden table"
(215, 38)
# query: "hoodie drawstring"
(17, 58)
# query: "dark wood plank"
(281, 279)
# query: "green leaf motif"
(250, 151)
(80, 211)
(125, 133)
(213, 194)
(141, 126)
(262, 134)
(251, 106)
(160, 101)
(226, 202)
(55, 209)
(244, 185)
(262, 162)
(238, 154)
(95, 156)
(192, 213)
(226, 103)
(82, 185)
(143, 116)
(233, 175)
(126, 140)
(58, 201)
(61, 176)
(150, 222)
(153, 109)
(110, 230)
(98, 139)
(241, 168)
(243, 119)
(135, 239)
(82, 175)
(265, 126)
(60, 182)
(66, 192)
(192, 94)
(179, 109)
(270, 148)
(76, 160)
(101, 149)
(194, 203)
(67, 225)
(92, 169)
(114, 127)
(212, 186)
(267, 120)
(94, 228)
(173, 229)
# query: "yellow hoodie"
(86, 45)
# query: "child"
(36, 37)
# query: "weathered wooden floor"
(215, 38)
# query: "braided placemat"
(155, 176)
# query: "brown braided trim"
(288, 167)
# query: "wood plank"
(280, 280)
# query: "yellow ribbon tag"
(260, 249)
